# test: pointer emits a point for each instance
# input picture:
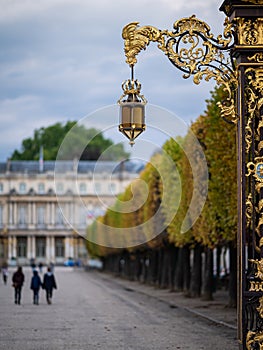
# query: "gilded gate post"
(247, 17)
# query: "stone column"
(10, 247)
(48, 250)
(53, 212)
(34, 219)
(33, 247)
(14, 246)
(52, 249)
(29, 247)
(10, 219)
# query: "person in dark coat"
(35, 286)
(49, 283)
(18, 281)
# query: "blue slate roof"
(33, 167)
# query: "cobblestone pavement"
(94, 311)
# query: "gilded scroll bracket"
(193, 49)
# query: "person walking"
(5, 273)
(35, 286)
(49, 283)
(18, 281)
(40, 267)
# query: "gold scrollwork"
(253, 339)
(256, 338)
(249, 209)
(259, 186)
(256, 286)
(137, 38)
(249, 32)
(254, 102)
(260, 205)
(193, 49)
(260, 307)
(260, 125)
(255, 78)
(256, 2)
(203, 47)
(248, 134)
(258, 57)
(259, 264)
(260, 223)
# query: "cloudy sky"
(63, 60)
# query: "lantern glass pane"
(138, 115)
(125, 117)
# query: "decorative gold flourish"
(254, 102)
(249, 32)
(248, 134)
(259, 186)
(256, 286)
(256, 2)
(253, 339)
(258, 57)
(255, 77)
(260, 205)
(249, 209)
(136, 39)
(260, 307)
(259, 264)
(193, 49)
(260, 223)
(203, 47)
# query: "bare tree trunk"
(179, 274)
(187, 270)
(196, 278)
(172, 267)
(208, 275)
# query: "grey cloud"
(62, 59)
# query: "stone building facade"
(45, 208)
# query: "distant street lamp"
(235, 61)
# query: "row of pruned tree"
(173, 225)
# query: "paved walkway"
(93, 310)
(215, 311)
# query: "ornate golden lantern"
(132, 109)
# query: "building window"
(112, 188)
(22, 215)
(82, 188)
(82, 217)
(41, 188)
(41, 215)
(60, 188)
(40, 247)
(59, 217)
(97, 187)
(1, 187)
(22, 187)
(21, 247)
(60, 247)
